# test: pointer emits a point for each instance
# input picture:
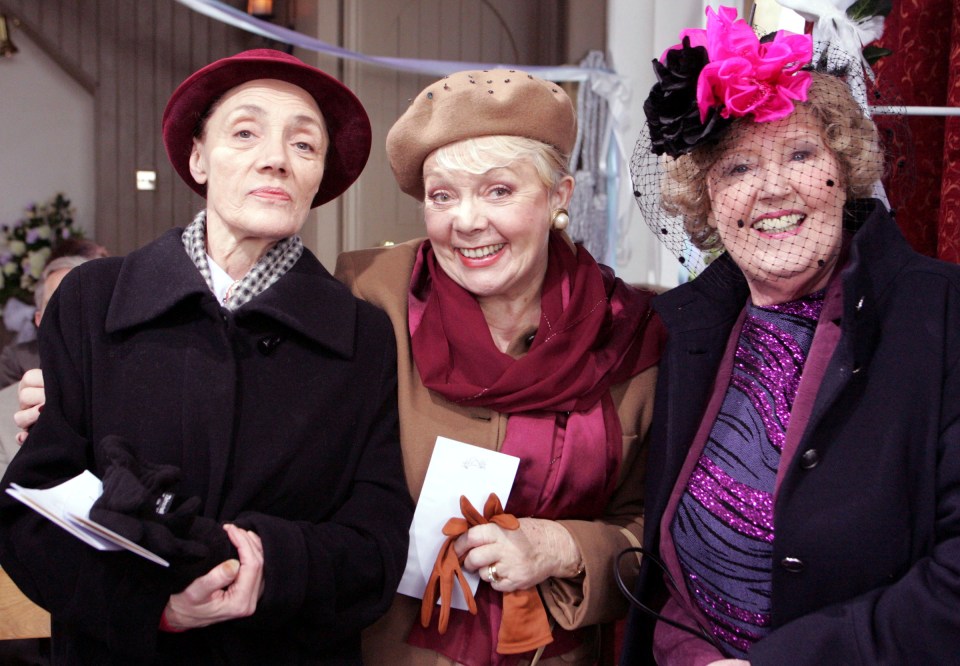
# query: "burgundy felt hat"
(346, 120)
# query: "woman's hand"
(32, 397)
(523, 558)
(228, 591)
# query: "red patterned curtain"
(924, 70)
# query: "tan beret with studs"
(478, 103)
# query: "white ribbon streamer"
(239, 19)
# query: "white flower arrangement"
(25, 246)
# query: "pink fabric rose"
(743, 76)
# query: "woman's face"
(490, 231)
(777, 201)
(262, 158)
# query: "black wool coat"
(282, 417)
(866, 558)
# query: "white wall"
(637, 32)
(46, 136)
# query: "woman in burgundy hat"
(238, 403)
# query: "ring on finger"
(492, 574)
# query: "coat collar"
(878, 254)
(712, 299)
(156, 278)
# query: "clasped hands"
(525, 557)
(229, 591)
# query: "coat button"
(268, 344)
(809, 459)
(792, 564)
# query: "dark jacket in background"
(282, 417)
(870, 505)
(16, 358)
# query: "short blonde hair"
(480, 154)
(846, 131)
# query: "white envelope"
(455, 469)
(68, 506)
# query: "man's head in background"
(79, 247)
(50, 279)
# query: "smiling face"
(777, 203)
(490, 230)
(261, 155)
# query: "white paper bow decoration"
(832, 27)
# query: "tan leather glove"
(524, 625)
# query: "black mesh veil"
(771, 193)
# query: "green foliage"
(872, 53)
(864, 9)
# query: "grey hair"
(59, 264)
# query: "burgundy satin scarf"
(595, 331)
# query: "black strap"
(699, 632)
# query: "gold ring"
(492, 574)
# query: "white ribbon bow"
(832, 27)
(831, 23)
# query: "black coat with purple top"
(866, 558)
(282, 417)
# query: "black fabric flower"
(671, 109)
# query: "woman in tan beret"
(512, 338)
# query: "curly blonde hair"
(847, 133)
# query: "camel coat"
(381, 276)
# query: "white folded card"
(455, 469)
(68, 505)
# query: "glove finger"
(507, 521)
(455, 527)
(122, 491)
(467, 593)
(492, 506)
(471, 514)
(163, 542)
(446, 597)
(429, 597)
(124, 525)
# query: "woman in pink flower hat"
(803, 502)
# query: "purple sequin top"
(723, 529)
